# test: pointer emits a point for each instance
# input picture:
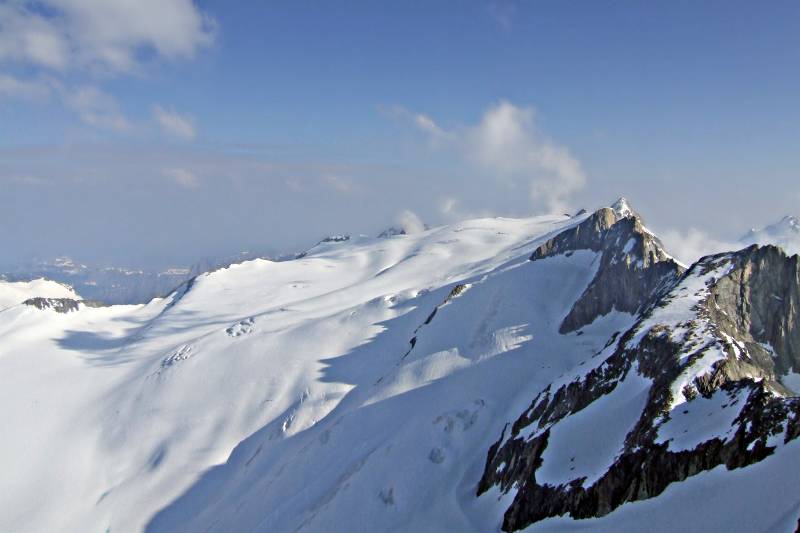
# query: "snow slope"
(357, 388)
(13, 293)
(120, 410)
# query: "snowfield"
(357, 388)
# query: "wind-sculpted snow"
(359, 387)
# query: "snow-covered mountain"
(114, 284)
(784, 233)
(13, 293)
(111, 285)
(549, 373)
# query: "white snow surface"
(761, 498)
(679, 314)
(784, 233)
(701, 419)
(586, 443)
(791, 381)
(14, 293)
(282, 388)
(286, 396)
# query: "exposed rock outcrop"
(60, 305)
(633, 270)
(391, 232)
(717, 342)
(759, 302)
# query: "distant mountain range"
(116, 285)
(784, 233)
(120, 285)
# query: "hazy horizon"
(265, 127)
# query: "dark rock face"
(60, 305)
(759, 302)
(633, 265)
(336, 238)
(328, 239)
(639, 472)
(391, 232)
(741, 302)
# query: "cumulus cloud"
(181, 176)
(58, 41)
(174, 123)
(410, 222)
(689, 246)
(100, 34)
(508, 145)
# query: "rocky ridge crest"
(717, 338)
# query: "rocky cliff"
(633, 266)
(699, 379)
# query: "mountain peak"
(623, 208)
(790, 221)
(633, 266)
(784, 233)
(391, 232)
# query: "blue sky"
(159, 132)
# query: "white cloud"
(16, 88)
(507, 145)
(410, 222)
(174, 123)
(420, 120)
(450, 210)
(29, 37)
(448, 206)
(96, 108)
(100, 34)
(691, 245)
(338, 183)
(426, 123)
(183, 177)
(61, 41)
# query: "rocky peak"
(706, 356)
(623, 208)
(60, 305)
(391, 232)
(633, 269)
